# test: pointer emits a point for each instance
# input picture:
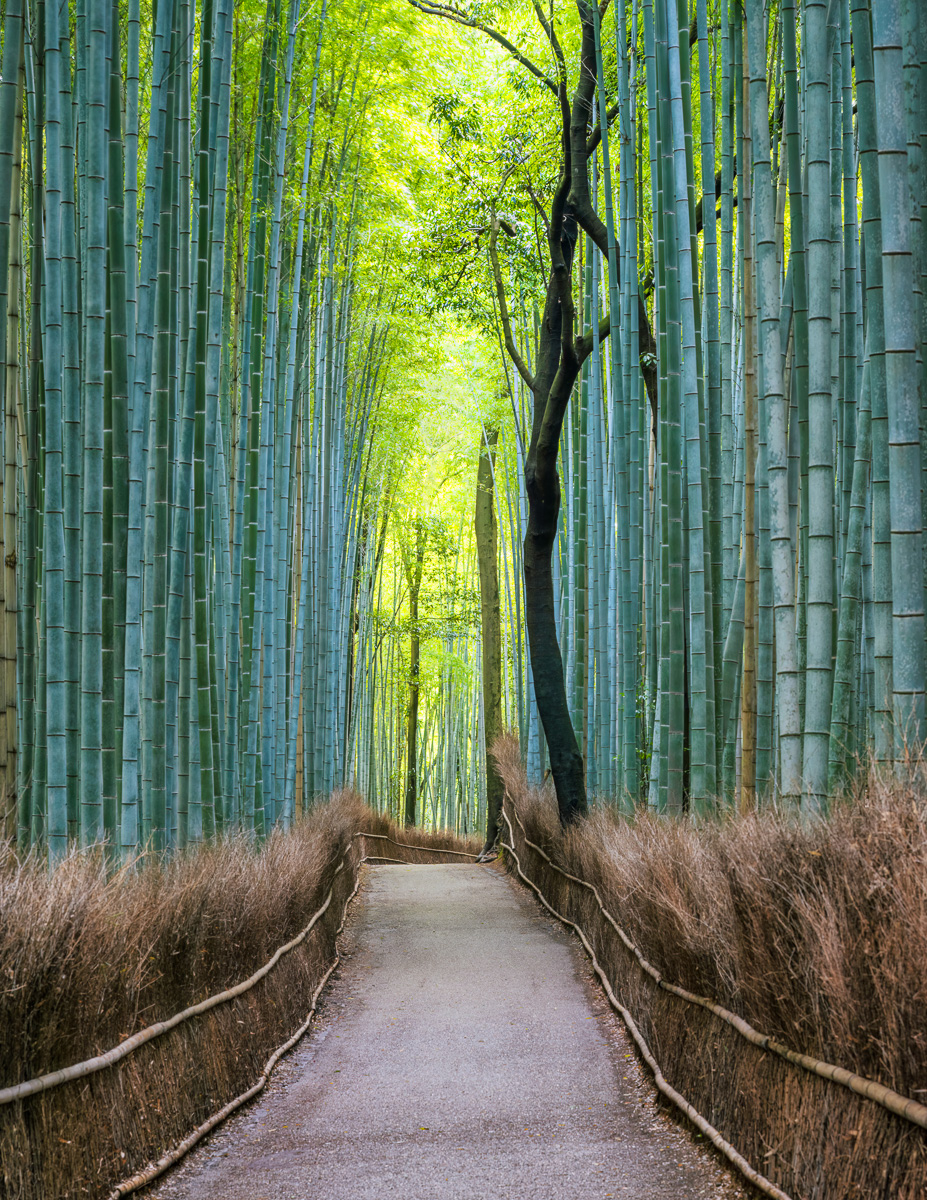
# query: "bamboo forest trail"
(461, 1052)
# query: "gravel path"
(462, 1054)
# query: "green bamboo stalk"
(901, 377)
(748, 718)
(850, 598)
(880, 520)
(11, 146)
(30, 643)
(675, 641)
(819, 685)
(726, 328)
(73, 232)
(702, 781)
(776, 416)
(712, 349)
(205, 186)
(155, 820)
(52, 740)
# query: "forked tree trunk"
(558, 361)
(487, 548)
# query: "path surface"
(461, 1055)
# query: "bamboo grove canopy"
(224, 233)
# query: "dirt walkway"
(461, 1054)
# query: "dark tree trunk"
(411, 793)
(414, 566)
(353, 620)
(353, 626)
(487, 549)
(559, 361)
(566, 760)
(560, 355)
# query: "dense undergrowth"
(814, 931)
(88, 957)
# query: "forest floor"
(463, 1052)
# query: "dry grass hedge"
(814, 933)
(87, 959)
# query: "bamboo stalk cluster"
(741, 566)
(191, 375)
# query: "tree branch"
(548, 27)
(596, 136)
(581, 119)
(432, 9)
(539, 211)
(520, 365)
(698, 207)
(538, 207)
(586, 343)
(580, 200)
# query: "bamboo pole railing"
(148, 1174)
(894, 1102)
(99, 1062)
(410, 846)
(766, 1186)
(166, 1161)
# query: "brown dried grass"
(88, 958)
(427, 842)
(816, 933)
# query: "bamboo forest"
(497, 428)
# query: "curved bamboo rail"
(20, 1091)
(172, 1157)
(408, 846)
(99, 1062)
(166, 1161)
(730, 1153)
(894, 1102)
